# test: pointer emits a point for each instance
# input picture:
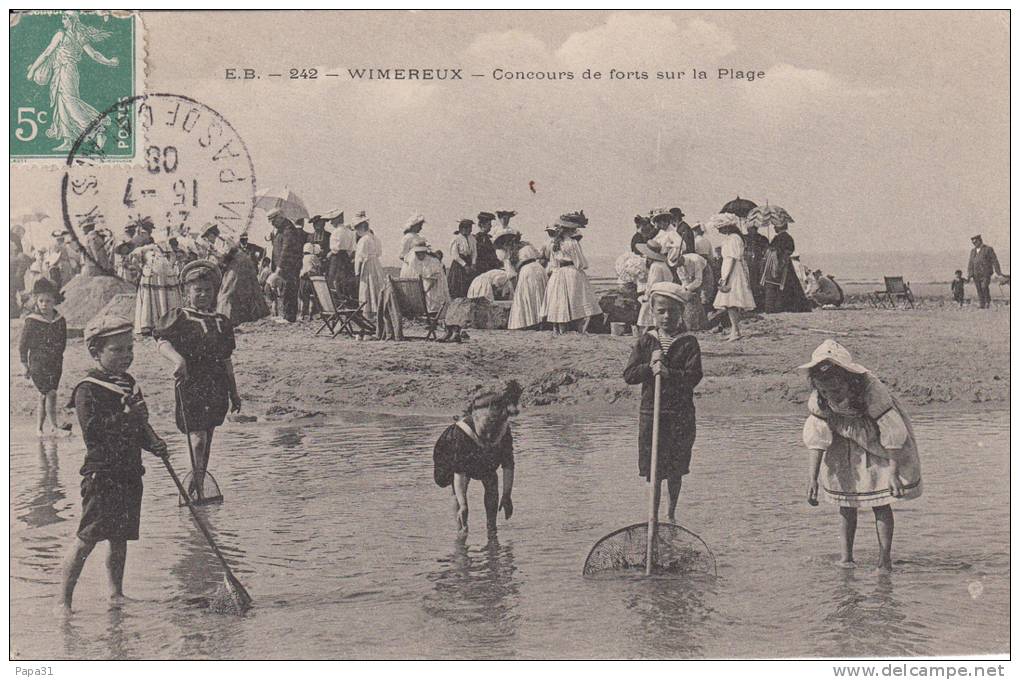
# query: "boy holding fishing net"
(115, 426)
(668, 351)
(475, 447)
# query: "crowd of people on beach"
(191, 298)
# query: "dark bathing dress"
(42, 348)
(457, 452)
(206, 342)
(676, 409)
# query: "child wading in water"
(474, 448)
(200, 342)
(115, 426)
(667, 350)
(861, 443)
(42, 345)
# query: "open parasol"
(769, 216)
(739, 207)
(284, 200)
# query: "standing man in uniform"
(287, 252)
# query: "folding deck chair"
(409, 295)
(896, 289)
(346, 317)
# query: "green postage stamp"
(67, 68)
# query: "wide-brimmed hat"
(486, 215)
(834, 353)
(677, 213)
(526, 253)
(723, 220)
(421, 247)
(462, 222)
(552, 229)
(210, 229)
(201, 269)
(308, 249)
(659, 212)
(413, 220)
(105, 325)
(360, 218)
(649, 254)
(573, 220)
(697, 226)
(673, 291)
(45, 286)
(505, 213)
(501, 235)
(333, 214)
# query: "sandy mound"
(122, 304)
(85, 296)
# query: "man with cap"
(980, 267)
(486, 260)
(684, 229)
(287, 253)
(319, 236)
(256, 253)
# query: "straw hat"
(574, 220)
(421, 247)
(660, 212)
(834, 353)
(333, 214)
(414, 220)
(723, 220)
(500, 234)
(359, 219)
(485, 215)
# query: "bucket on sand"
(619, 328)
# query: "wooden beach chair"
(896, 289)
(345, 316)
(409, 295)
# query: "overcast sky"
(874, 130)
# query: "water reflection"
(41, 506)
(672, 612)
(477, 593)
(865, 618)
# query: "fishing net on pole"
(677, 552)
(201, 494)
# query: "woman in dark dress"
(463, 254)
(199, 343)
(783, 292)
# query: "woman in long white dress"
(158, 289)
(57, 66)
(734, 282)
(526, 310)
(420, 262)
(569, 296)
(412, 231)
(658, 272)
(367, 268)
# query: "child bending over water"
(862, 446)
(667, 350)
(474, 448)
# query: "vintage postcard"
(510, 335)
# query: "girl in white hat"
(862, 447)
(734, 283)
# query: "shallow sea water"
(348, 549)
